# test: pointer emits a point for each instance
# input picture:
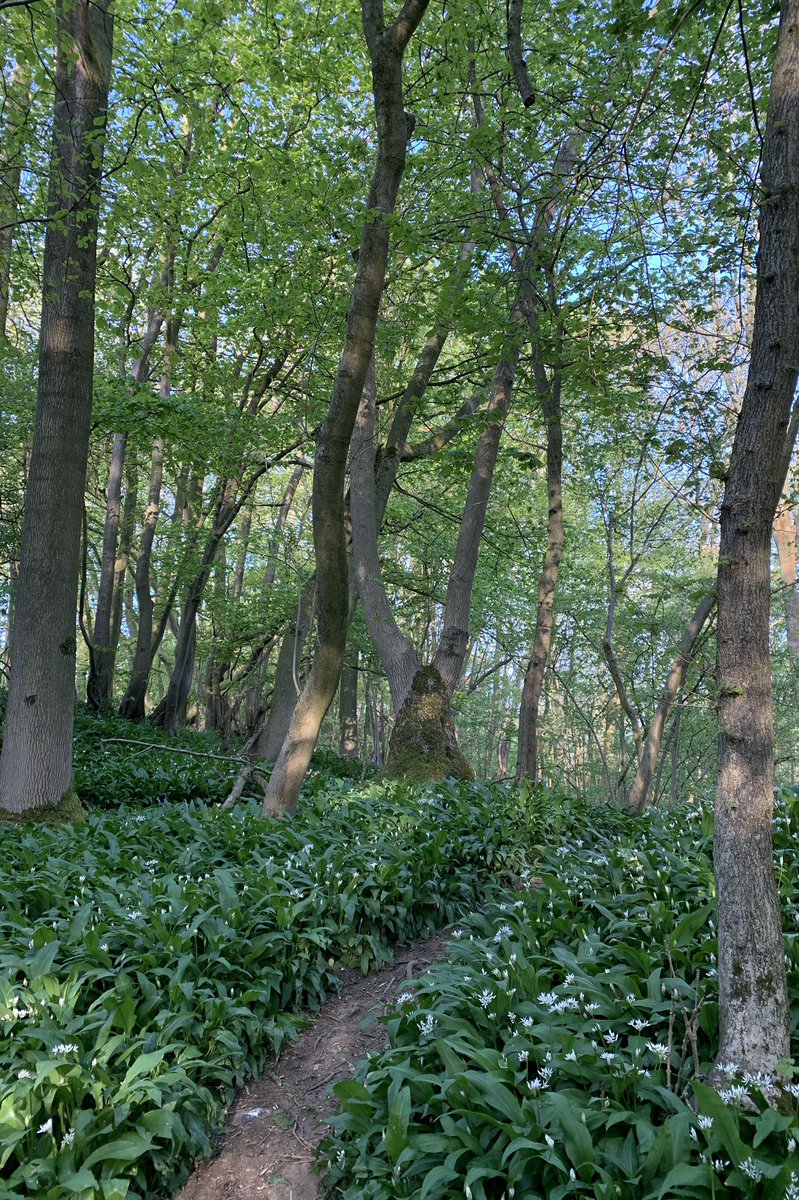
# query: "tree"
(753, 1001)
(387, 46)
(36, 761)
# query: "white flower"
(659, 1049)
(705, 1122)
(548, 998)
(405, 997)
(750, 1168)
(62, 1049)
(638, 1025)
(69, 1138)
(24, 1074)
(503, 931)
(47, 1127)
(458, 933)
(550, 1141)
(427, 1025)
(608, 1057)
(485, 998)
(571, 1056)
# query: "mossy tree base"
(423, 745)
(68, 811)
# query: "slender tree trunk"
(36, 761)
(394, 128)
(527, 760)
(127, 527)
(287, 677)
(132, 705)
(11, 159)
(100, 683)
(348, 709)
(785, 537)
(753, 1000)
(639, 792)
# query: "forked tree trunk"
(639, 792)
(753, 1000)
(36, 760)
(394, 127)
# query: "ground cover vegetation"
(151, 959)
(565, 1046)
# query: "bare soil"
(268, 1149)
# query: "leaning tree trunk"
(36, 761)
(394, 128)
(754, 1011)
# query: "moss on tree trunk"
(423, 745)
(68, 811)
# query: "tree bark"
(36, 760)
(348, 709)
(394, 129)
(639, 792)
(132, 705)
(753, 1001)
(286, 687)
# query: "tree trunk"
(423, 744)
(127, 527)
(286, 686)
(36, 761)
(132, 705)
(639, 792)
(394, 128)
(100, 683)
(16, 101)
(527, 758)
(348, 709)
(753, 1001)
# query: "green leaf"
(397, 1128)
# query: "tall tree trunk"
(286, 687)
(36, 760)
(132, 705)
(753, 1000)
(639, 792)
(127, 526)
(527, 757)
(394, 128)
(100, 683)
(11, 158)
(348, 709)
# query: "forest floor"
(268, 1149)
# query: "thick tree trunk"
(639, 792)
(394, 128)
(36, 761)
(753, 1001)
(423, 744)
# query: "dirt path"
(268, 1150)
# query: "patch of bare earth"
(268, 1150)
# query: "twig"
(165, 749)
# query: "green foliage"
(151, 960)
(109, 773)
(560, 1049)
